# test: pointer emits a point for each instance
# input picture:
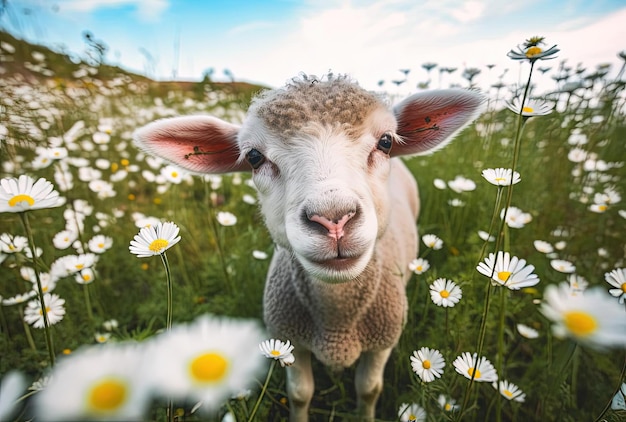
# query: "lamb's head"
(319, 151)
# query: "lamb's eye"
(255, 158)
(385, 142)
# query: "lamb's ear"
(428, 121)
(201, 144)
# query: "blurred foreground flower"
(471, 366)
(208, 360)
(510, 391)
(592, 318)
(508, 271)
(427, 363)
(96, 383)
(24, 194)
(619, 399)
(154, 240)
(278, 350)
(12, 387)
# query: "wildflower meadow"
(132, 290)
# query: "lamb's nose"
(334, 226)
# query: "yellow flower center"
(444, 293)
(602, 207)
(275, 353)
(500, 179)
(158, 245)
(114, 167)
(47, 310)
(101, 245)
(79, 266)
(527, 109)
(533, 51)
(21, 198)
(508, 393)
(426, 364)
(208, 367)
(447, 407)
(412, 417)
(107, 395)
(86, 277)
(419, 268)
(474, 373)
(504, 275)
(124, 162)
(174, 174)
(623, 286)
(580, 323)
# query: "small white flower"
(419, 266)
(526, 331)
(510, 391)
(260, 255)
(226, 218)
(278, 350)
(562, 266)
(501, 176)
(516, 218)
(432, 241)
(411, 413)
(617, 279)
(508, 271)
(445, 293)
(471, 366)
(439, 184)
(24, 193)
(428, 364)
(154, 240)
(33, 314)
(461, 184)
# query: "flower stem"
(29, 335)
(263, 390)
(168, 275)
(40, 294)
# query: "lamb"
(339, 205)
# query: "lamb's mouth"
(337, 264)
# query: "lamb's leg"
(369, 381)
(300, 385)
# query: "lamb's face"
(323, 190)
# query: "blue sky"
(270, 41)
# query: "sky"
(270, 41)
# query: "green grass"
(214, 272)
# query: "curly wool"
(331, 100)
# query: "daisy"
(461, 184)
(12, 244)
(448, 404)
(419, 266)
(19, 298)
(55, 310)
(85, 276)
(172, 174)
(532, 107)
(77, 263)
(577, 155)
(577, 283)
(508, 271)
(110, 324)
(510, 391)
(23, 194)
(154, 240)
(526, 331)
(439, 184)
(532, 52)
(208, 360)
(592, 318)
(249, 199)
(501, 176)
(277, 350)
(428, 364)
(543, 246)
(102, 337)
(100, 243)
(516, 218)
(432, 241)
(411, 412)
(96, 383)
(64, 239)
(226, 218)
(470, 366)
(445, 293)
(617, 279)
(563, 266)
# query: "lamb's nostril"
(334, 226)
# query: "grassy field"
(568, 160)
